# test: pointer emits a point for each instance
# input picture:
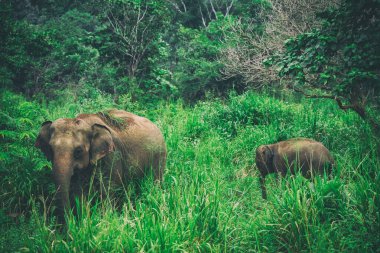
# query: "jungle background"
(220, 78)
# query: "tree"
(199, 13)
(198, 69)
(339, 61)
(136, 25)
(21, 45)
(258, 36)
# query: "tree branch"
(228, 8)
(336, 98)
(213, 9)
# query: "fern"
(22, 167)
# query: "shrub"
(23, 170)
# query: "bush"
(23, 170)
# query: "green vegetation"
(210, 198)
(217, 77)
(341, 60)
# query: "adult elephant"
(129, 146)
(299, 154)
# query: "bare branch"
(248, 51)
(132, 25)
(203, 19)
(213, 9)
(184, 6)
(176, 6)
(228, 8)
(208, 13)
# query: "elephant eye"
(78, 152)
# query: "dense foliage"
(217, 77)
(136, 47)
(341, 60)
(210, 199)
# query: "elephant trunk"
(62, 172)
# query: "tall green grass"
(210, 199)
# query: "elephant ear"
(43, 138)
(268, 155)
(101, 143)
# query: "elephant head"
(72, 144)
(264, 159)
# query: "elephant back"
(309, 155)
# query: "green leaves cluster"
(341, 59)
(198, 69)
(20, 46)
(22, 168)
(148, 49)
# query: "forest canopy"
(160, 49)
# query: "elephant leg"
(108, 174)
(110, 182)
(282, 169)
(330, 171)
(75, 192)
(263, 188)
(79, 183)
(79, 189)
(103, 185)
(280, 165)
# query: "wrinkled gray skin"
(75, 145)
(306, 155)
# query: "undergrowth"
(209, 200)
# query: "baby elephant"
(308, 156)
